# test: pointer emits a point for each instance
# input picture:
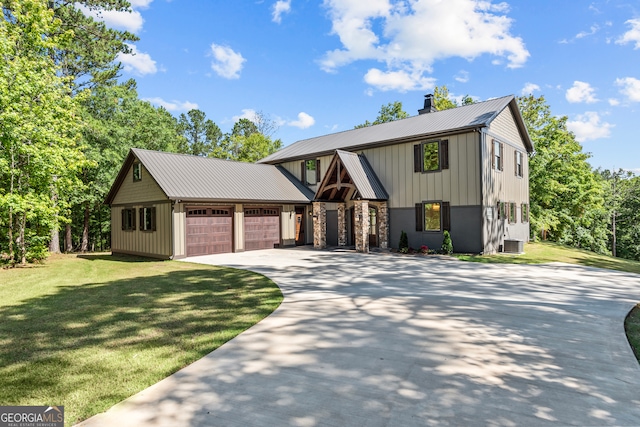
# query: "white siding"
(179, 231)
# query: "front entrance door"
(373, 227)
(300, 220)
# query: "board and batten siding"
(148, 243)
(145, 190)
(295, 169)
(504, 185)
(459, 185)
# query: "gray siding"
(466, 229)
(149, 243)
(504, 185)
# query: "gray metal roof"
(363, 176)
(456, 119)
(188, 177)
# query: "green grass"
(88, 331)
(632, 328)
(545, 252)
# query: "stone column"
(361, 219)
(319, 225)
(342, 224)
(383, 225)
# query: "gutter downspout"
(482, 139)
(173, 246)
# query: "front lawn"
(544, 252)
(88, 331)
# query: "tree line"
(67, 123)
(571, 202)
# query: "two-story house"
(464, 170)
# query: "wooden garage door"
(261, 228)
(209, 231)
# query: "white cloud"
(247, 113)
(279, 8)
(633, 35)
(226, 63)
(304, 121)
(410, 36)
(129, 21)
(462, 76)
(137, 62)
(614, 102)
(173, 105)
(588, 126)
(581, 92)
(140, 4)
(529, 88)
(592, 30)
(401, 81)
(630, 88)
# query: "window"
(512, 213)
(502, 210)
(431, 156)
(433, 216)
(497, 155)
(137, 172)
(148, 219)
(129, 219)
(310, 172)
(519, 164)
(261, 212)
(525, 212)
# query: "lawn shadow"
(98, 340)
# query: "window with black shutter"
(431, 156)
(128, 219)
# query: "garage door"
(261, 228)
(209, 231)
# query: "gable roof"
(467, 117)
(364, 179)
(186, 177)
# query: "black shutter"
(419, 218)
(303, 173)
(133, 218)
(318, 170)
(446, 216)
(141, 225)
(153, 219)
(123, 217)
(417, 158)
(444, 154)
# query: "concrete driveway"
(384, 340)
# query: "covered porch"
(361, 203)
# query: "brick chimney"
(429, 104)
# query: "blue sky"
(320, 67)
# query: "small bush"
(424, 249)
(447, 245)
(404, 242)
(404, 250)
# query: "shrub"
(404, 242)
(424, 249)
(447, 245)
